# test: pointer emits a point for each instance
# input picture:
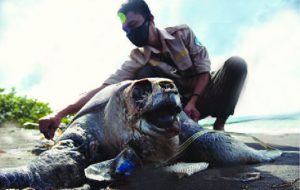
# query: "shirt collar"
(164, 35)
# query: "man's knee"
(237, 65)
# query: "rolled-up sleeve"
(126, 72)
(197, 51)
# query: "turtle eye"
(141, 91)
(168, 86)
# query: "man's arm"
(190, 108)
(201, 65)
(50, 123)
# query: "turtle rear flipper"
(110, 170)
(271, 155)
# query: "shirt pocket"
(182, 58)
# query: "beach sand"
(16, 145)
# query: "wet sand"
(16, 145)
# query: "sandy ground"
(16, 145)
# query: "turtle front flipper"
(62, 166)
(110, 170)
(219, 148)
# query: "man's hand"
(49, 124)
(191, 110)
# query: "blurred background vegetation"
(20, 109)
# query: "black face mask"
(139, 36)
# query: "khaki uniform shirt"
(180, 44)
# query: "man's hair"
(136, 6)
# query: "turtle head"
(144, 114)
(154, 104)
(152, 109)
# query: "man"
(173, 53)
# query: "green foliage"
(66, 120)
(20, 109)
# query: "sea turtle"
(137, 122)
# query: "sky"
(55, 50)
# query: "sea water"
(270, 124)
